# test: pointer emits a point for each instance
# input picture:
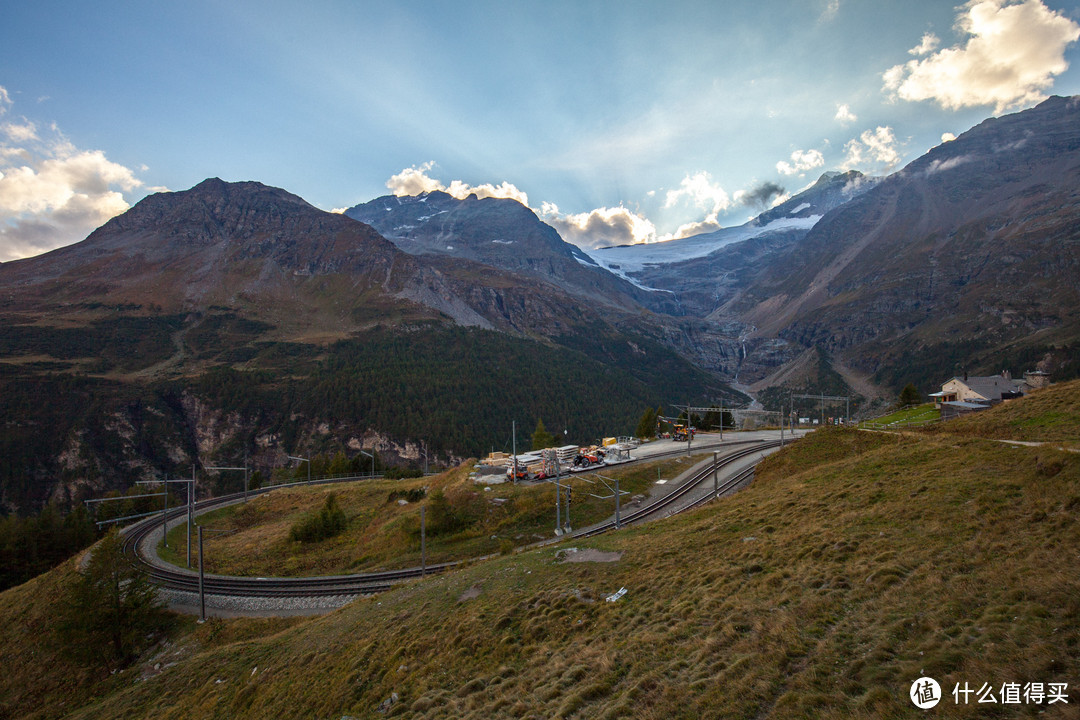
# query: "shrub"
(326, 523)
(414, 495)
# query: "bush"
(453, 513)
(326, 523)
(414, 495)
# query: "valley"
(909, 560)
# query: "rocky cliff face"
(503, 234)
(978, 239)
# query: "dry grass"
(854, 563)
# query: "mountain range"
(199, 324)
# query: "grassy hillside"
(853, 564)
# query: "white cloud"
(601, 227)
(1012, 53)
(930, 43)
(947, 137)
(801, 162)
(700, 190)
(504, 189)
(709, 224)
(844, 114)
(20, 132)
(831, 8)
(873, 150)
(938, 166)
(52, 193)
(415, 180)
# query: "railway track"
(667, 502)
(175, 578)
(235, 586)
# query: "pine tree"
(646, 427)
(541, 438)
(910, 395)
(111, 612)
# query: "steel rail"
(680, 492)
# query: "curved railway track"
(666, 502)
(175, 578)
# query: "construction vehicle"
(680, 432)
(588, 457)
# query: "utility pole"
(688, 434)
(617, 522)
(569, 496)
(190, 512)
(300, 459)
(721, 420)
(423, 542)
(558, 504)
(165, 517)
(616, 493)
(202, 592)
(513, 432)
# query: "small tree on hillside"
(111, 612)
(646, 427)
(326, 523)
(541, 438)
(910, 395)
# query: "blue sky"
(616, 121)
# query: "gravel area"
(228, 606)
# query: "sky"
(615, 121)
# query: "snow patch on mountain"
(633, 258)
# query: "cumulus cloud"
(844, 114)
(947, 137)
(929, 44)
(416, 180)
(701, 192)
(873, 150)
(709, 224)
(801, 162)
(1012, 53)
(602, 227)
(52, 193)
